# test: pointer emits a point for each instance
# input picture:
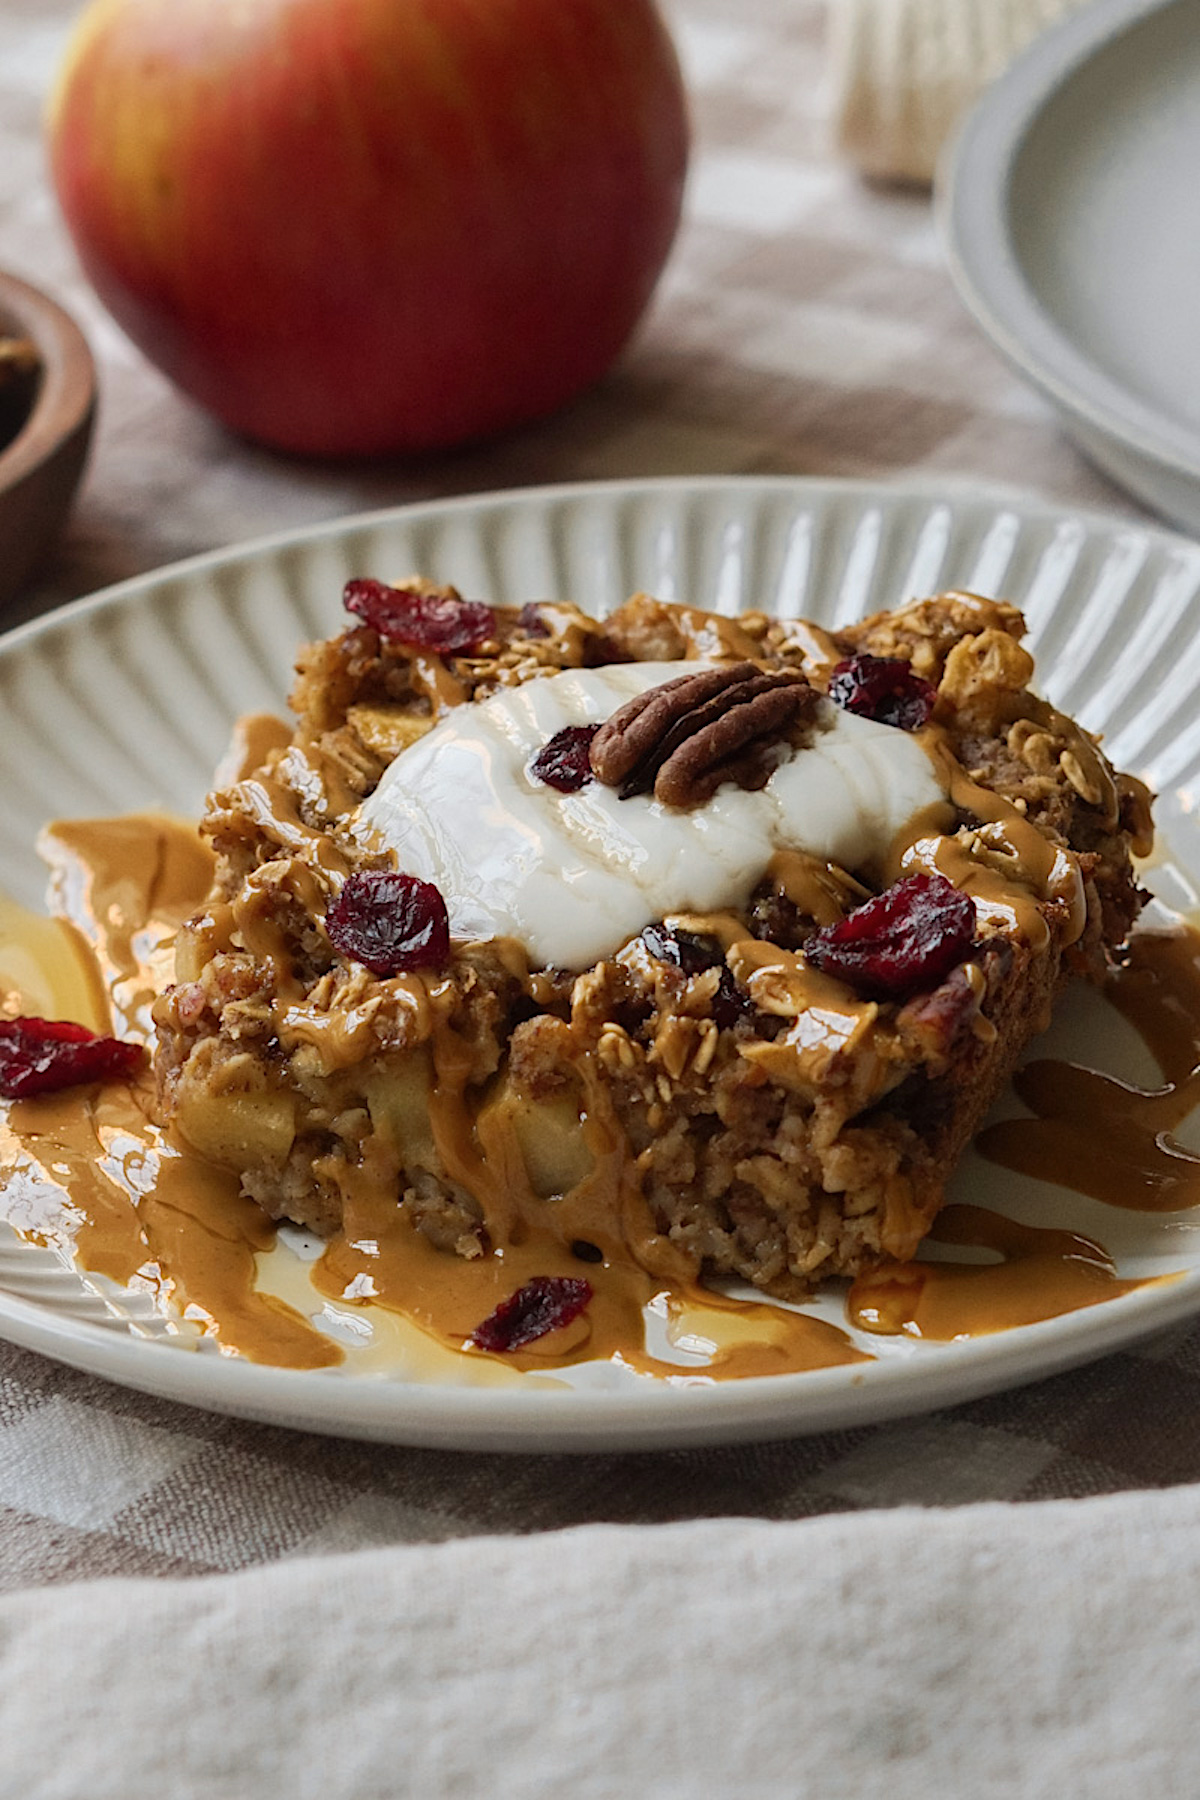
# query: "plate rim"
(933, 489)
(971, 210)
(650, 1418)
(653, 1416)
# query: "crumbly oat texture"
(671, 1103)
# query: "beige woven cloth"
(805, 325)
(905, 71)
(987, 1654)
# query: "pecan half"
(684, 739)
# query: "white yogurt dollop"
(573, 876)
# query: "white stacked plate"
(1070, 207)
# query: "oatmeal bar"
(695, 941)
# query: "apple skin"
(358, 227)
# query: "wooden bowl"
(41, 465)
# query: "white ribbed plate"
(1068, 208)
(126, 700)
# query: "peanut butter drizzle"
(827, 1020)
(818, 648)
(61, 1185)
(275, 797)
(819, 889)
(254, 738)
(90, 1170)
(612, 1194)
(205, 1235)
(274, 807)
(714, 637)
(440, 686)
(571, 633)
(89, 1167)
(1043, 1274)
(126, 885)
(377, 1252)
(1006, 865)
(191, 1234)
(378, 1259)
(1105, 1137)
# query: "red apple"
(365, 226)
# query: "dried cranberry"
(729, 1002)
(883, 688)
(39, 1056)
(439, 621)
(905, 939)
(688, 950)
(544, 1304)
(693, 953)
(562, 763)
(389, 922)
(531, 622)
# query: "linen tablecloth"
(806, 325)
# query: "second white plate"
(1069, 212)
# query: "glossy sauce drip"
(378, 1259)
(826, 1021)
(818, 648)
(143, 1212)
(1006, 865)
(91, 1170)
(714, 636)
(126, 885)
(254, 738)
(821, 890)
(1042, 1274)
(145, 1208)
(571, 635)
(1105, 1137)
(440, 686)
(88, 1168)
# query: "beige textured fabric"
(987, 1654)
(905, 71)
